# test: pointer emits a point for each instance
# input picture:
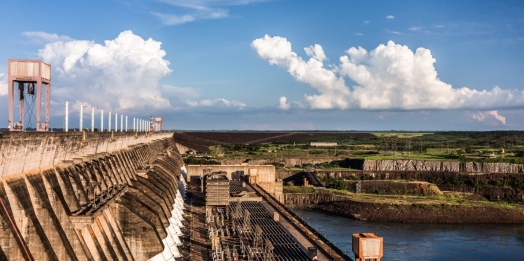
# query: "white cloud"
(416, 28)
(389, 77)
(171, 19)
(283, 104)
(390, 17)
(120, 74)
(217, 102)
(198, 9)
(192, 103)
(489, 116)
(366, 22)
(420, 29)
(359, 34)
(394, 32)
(316, 52)
(43, 37)
(277, 50)
(184, 93)
(3, 84)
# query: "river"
(410, 241)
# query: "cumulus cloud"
(316, 52)
(283, 104)
(198, 9)
(119, 74)
(3, 84)
(43, 37)
(489, 115)
(390, 17)
(217, 102)
(389, 77)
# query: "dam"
(129, 196)
(101, 196)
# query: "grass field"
(453, 146)
(448, 198)
(405, 135)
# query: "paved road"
(199, 248)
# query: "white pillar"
(102, 121)
(81, 119)
(116, 122)
(66, 117)
(109, 122)
(126, 123)
(121, 122)
(92, 119)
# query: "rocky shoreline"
(422, 213)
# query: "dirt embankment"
(423, 213)
(409, 209)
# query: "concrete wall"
(433, 165)
(309, 199)
(181, 148)
(287, 161)
(33, 151)
(114, 206)
(265, 173)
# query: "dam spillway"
(100, 196)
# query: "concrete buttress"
(106, 198)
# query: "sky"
(276, 64)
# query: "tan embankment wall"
(113, 206)
(30, 151)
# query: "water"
(404, 241)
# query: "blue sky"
(278, 65)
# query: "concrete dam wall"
(448, 166)
(107, 197)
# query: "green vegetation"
(447, 198)
(494, 146)
(297, 189)
(200, 161)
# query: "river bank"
(450, 207)
(431, 241)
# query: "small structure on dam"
(367, 246)
(262, 175)
(217, 190)
(28, 75)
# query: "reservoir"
(411, 241)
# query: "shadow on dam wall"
(97, 204)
